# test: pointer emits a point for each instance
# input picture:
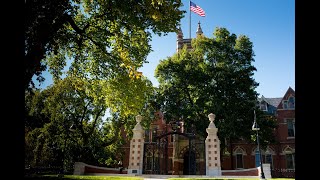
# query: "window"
(239, 158)
(289, 157)
(239, 161)
(290, 160)
(291, 127)
(291, 102)
(285, 104)
(268, 159)
(263, 106)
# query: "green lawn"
(227, 179)
(55, 177)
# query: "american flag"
(197, 9)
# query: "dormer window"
(285, 104)
(263, 106)
(291, 103)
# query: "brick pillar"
(136, 148)
(213, 163)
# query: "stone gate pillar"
(213, 164)
(136, 148)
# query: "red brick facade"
(280, 156)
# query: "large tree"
(82, 103)
(216, 76)
(97, 37)
(102, 43)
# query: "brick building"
(280, 156)
(172, 159)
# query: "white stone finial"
(138, 118)
(211, 117)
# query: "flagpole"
(189, 19)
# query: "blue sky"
(270, 25)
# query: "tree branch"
(185, 88)
(84, 135)
(95, 120)
(81, 32)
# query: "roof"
(289, 92)
(272, 101)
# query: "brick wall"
(99, 170)
(243, 172)
(82, 168)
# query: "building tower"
(199, 30)
(179, 39)
(181, 42)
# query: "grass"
(55, 177)
(70, 177)
(227, 179)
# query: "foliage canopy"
(214, 77)
(97, 38)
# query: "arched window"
(266, 156)
(239, 158)
(290, 157)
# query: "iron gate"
(156, 155)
